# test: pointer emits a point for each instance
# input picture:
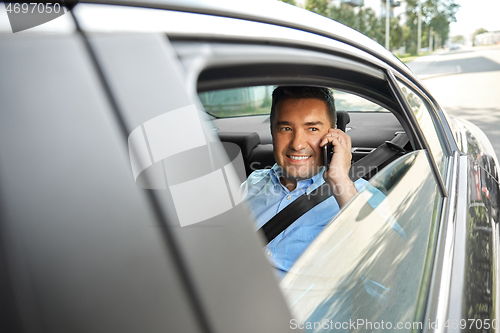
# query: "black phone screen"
(327, 154)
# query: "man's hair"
(299, 92)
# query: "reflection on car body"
(361, 266)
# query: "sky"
(475, 14)
(472, 15)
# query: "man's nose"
(298, 141)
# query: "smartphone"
(327, 154)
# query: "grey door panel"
(83, 248)
(235, 283)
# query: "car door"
(402, 229)
(197, 199)
(82, 247)
(367, 270)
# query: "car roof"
(280, 14)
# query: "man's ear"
(337, 128)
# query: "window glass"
(345, 101)
(421, 111)
(252, 101)
(249, 101)
(368, 264)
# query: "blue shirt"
(266, 196)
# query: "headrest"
(262, 157)
(246, 140)
(342, 120)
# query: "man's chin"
(300, 173)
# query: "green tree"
(364, 21)
(441, 26)
(477, 32)
(291, 2)
(317, 6)
(480, 31)
(397, 33)
(437, 14)
(406, 37)
(459, 39)
(369, 24)
(343, 14)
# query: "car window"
(368, 264)
(248, 101)
(422, 112)
(252, 101)
(345, 101)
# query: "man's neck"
(289, 183)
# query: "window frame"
(205, 61)
(448, 151)
(194, 66)
(357, 105)
(416, 127)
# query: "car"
(127, 128)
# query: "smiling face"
(297, 129)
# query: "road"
(466, 83)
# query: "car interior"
(241, 116)
(86, 247)
(237, 98)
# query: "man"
(302, 122)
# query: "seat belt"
(277, 224)
(381, 156)
(288, 215)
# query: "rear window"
(254, 101)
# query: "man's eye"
(313, 129)
(285, 129)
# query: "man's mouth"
(298, 158)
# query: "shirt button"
(289, 197)
(270, 254)
(309, 189)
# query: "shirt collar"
(276, 174)
(311, 183)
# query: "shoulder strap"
(381, 156)
(294, 210)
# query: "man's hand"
(337, 175)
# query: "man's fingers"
(343, 138)
(329, 138)
(337, 138)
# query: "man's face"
(297, 130)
